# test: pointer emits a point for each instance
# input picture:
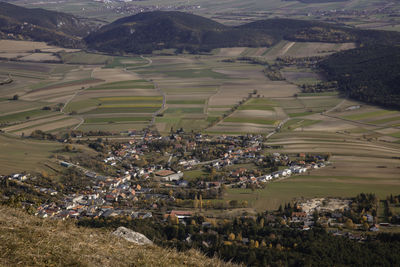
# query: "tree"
(231, 237)
(15, 97)
(349, 224)
(195, 202)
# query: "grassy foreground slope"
(29, 241)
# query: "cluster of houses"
(100, 198)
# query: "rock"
(132, 236)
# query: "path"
(156, 87)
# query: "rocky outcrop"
(132, 236)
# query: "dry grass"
(29, 241)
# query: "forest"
(370, 74)
(269, 239)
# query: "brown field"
(308, 49)
(230, 127)
(231, 51)
(114, 75)
(22, 46)
(38, 57)
(50, 126)
(31, 123)
(12, 55)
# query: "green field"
(300, 114)
(17, 155)
(117, 119)
(121, 62)
(277, 193)
(258, 104)
(132, 84)
(184, 110)
(386, 120)
(84, 58)
(23, 116)
(298, 123)
(319, 94)
(187, 102)
(101, 110)
(196, 73)
(250, 120)
(131, 99)
(370, 114)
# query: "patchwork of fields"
(209, 94)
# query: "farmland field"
(206, 94)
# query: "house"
(168, 175)
(374, 228)
(182, 183)
(181, 214)
(239, 172)
(298, 216)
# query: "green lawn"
(192, 175)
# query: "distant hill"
(27, 240)
(316, 31)
(369, 74)
(150, 31)
(41, 25)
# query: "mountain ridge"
(38, 24)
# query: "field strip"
(34, 122)
(286, 48)
(350, 145)
(51, 126)
(18, 111)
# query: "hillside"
(41, 25)
(150, 31)
(370, 74)
(316, 31)
(29, 241)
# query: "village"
(144, 188)
(182, 175)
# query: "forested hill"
(150, 31)
(316, 31)
(369, 74)
(41, 25)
